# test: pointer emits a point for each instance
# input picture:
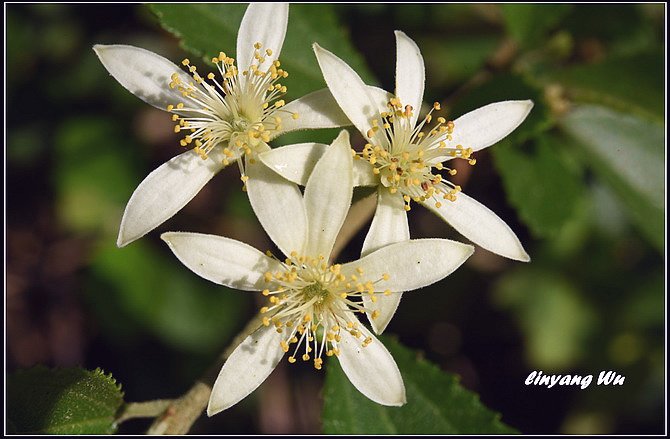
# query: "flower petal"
(164, 192)
(348, 89)
(279, 206)
(410, 73)
(480, 225)
(410, 264)
(222, 260)
(247, 367)
(143, 73)
(328, 196)
(296, 162)
(315, 110)
(263, 23)
(371, 369)
(487, 125)
(389, 226)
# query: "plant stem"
(146, 409)
(180, 414)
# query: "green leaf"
(529, 23)
(552, 315)
(471, 53)
(62, 401)
(207, 29)
(436, 403)
(162, 296)
(541, 184)
(632, 84)
(92, 186)
(627, 153)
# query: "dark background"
(77, 144)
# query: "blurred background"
(582, 183)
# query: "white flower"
(225, 117)
(312, 301)
(404, 155)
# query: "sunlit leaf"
(627, 153)
(436, 403)
(62, 401)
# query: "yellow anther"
(291, 359)
(436, 106)
(375, 314)
(185, 62)
(266, 321)
(267, 276)
(305, 357)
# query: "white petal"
(480, 225)
(410, 73)
(371, 369)
(143, 73)
(279, 206)
(488, 125)
(348, 89)
(315, 110)
(263, 23)
(296, 162)
(222, 260)
(328, 196)
(411, 264)
(164, 192)
(389, 226)
(247, 367)
(363, 175)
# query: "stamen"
(311, 300)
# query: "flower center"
(311, 303)
(235, 113)
(408, 159)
